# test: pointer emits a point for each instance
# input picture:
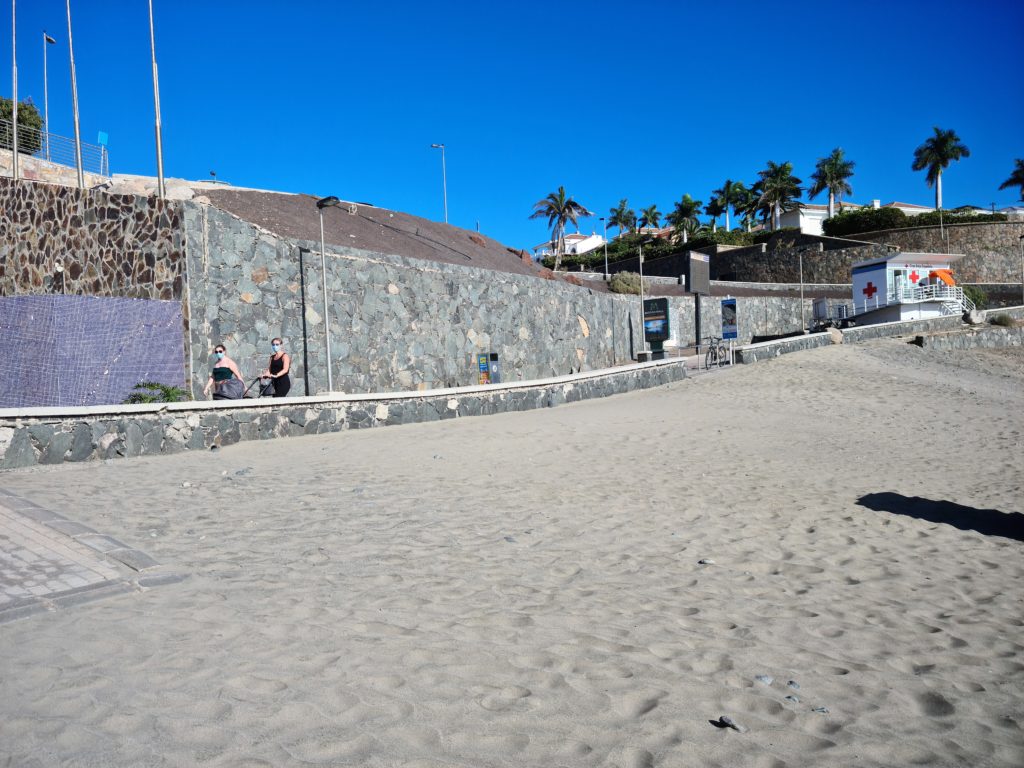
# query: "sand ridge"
(526, 589)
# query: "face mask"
(219, 355)
(275, 347)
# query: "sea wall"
(55, 436)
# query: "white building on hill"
(575, 244)
(810, 216)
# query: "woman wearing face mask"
(225, 379)
(277, 371)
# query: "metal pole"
(803, 317)
(1022, 268)
(74, 101)
(604, 220)
(46, 96)
(327, 315)
(643, 331)
(444, 183)
(305, 335)
(156, 101)
(14, 99)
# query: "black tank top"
(277, 364)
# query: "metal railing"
(947, 294)
(55, 149)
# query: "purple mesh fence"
(86, 350)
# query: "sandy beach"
(827, 548)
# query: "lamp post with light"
(444, 179)
(326, 202)
(47, 40)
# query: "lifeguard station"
(906, 286)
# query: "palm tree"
(730, 192)
(685, 210)
(744, 205)
(622, 216)
(559, 210)
(714, 209)
(831, 173)
(650, 217)
(935, 156)
(1016, 178)
(778, 190)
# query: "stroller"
(265, 389)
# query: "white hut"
(907, 286)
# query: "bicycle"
(717, 353)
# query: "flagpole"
(156, 101)
(14, 74)
(74, 101)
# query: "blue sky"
(645, 100)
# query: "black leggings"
(282, 385)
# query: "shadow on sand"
(990, 522)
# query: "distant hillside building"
(575, 244)
(810, 216)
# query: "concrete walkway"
(48, 562)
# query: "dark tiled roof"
(371, 229)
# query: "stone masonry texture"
(85, 435)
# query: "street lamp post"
(156, 101)
(326, 202)
(1022, 269)
(604, 221)
(444, 179)
(803, 316)
(643, 331)
(74, 102)
(47, 40)
(14, 87)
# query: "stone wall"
(993, 337)
(396, 324)
(755, 265)
(902, 328)
(58, 239)
(752, 353)
(993, 250)
(54, 436)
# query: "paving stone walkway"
(49, 562)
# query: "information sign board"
(729, 329)
(656, 320)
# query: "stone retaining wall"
(766, 350)
(58, 239)
(992, 337)
(54, 436)
(993, 250)
(904, 328)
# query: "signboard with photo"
(729, 329)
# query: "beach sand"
(527, 589)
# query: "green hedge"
(875, 219)
(864, 220)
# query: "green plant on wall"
(30, 126)
(157, 393)
(625, 282)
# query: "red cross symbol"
(914, 277)
(870, 290)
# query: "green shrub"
(625, 282)
(158, 393)
(976, 294)
(1003, 319)
(931, 219)
(864, 220)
